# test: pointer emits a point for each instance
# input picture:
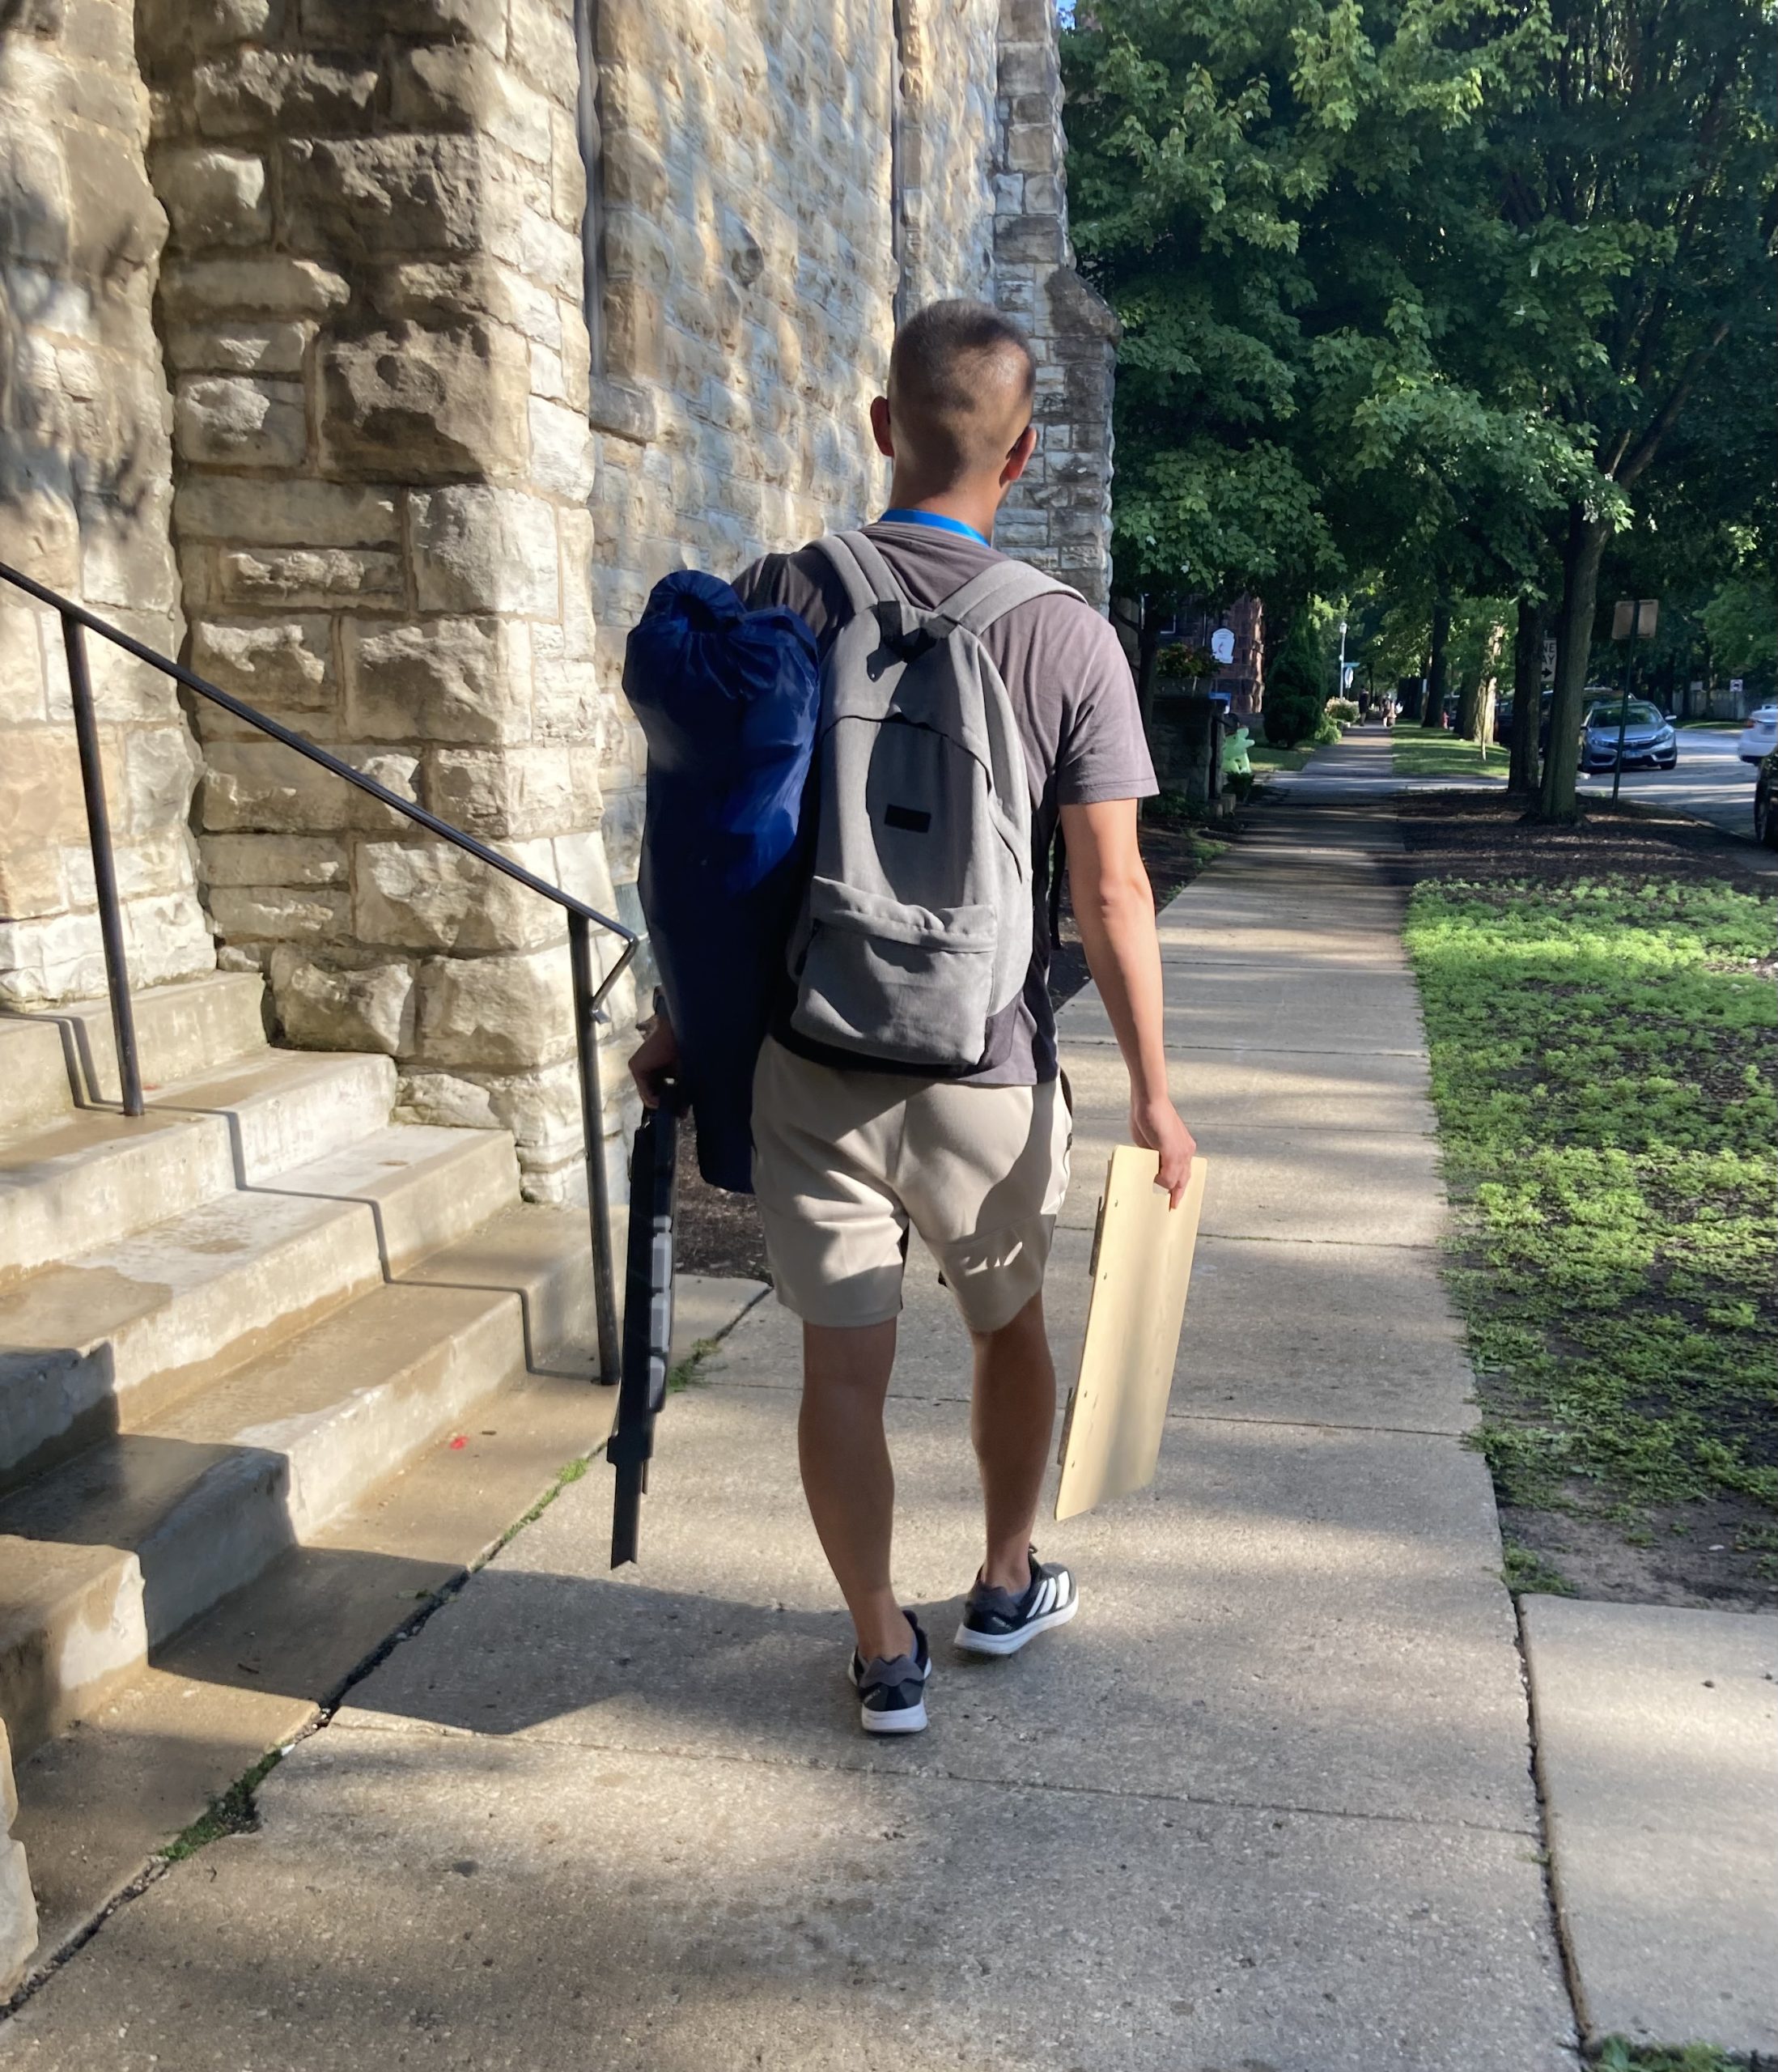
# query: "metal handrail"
(76, 621)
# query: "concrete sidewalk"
(1267, 1804)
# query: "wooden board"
(1141, 1272)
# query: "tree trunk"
(1476, 719)
(1433, 713)
(1521, 780)
(1581, 558)
(1147, 653)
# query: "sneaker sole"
(910, 1720)
(974, 1643)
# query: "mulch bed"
(720, 1233)
(1682, 1554)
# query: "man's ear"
(880, 427)
(1019, 456)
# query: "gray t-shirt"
(1071, 694)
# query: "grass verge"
(1263, 756)
(1604, 1057)
(1413, 753)
(1617, 2054)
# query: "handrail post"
(105, 869)
(586, 1028)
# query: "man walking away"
(851, 1149)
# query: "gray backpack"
(917, 929)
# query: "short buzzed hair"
(961, 379)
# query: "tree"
(1636, 187)
(1283, 202)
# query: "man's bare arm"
(1114, 910)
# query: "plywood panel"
(1141, 1273)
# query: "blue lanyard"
(939, 524)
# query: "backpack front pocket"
(909, 983)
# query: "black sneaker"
(995, 1622)
(892, 1691)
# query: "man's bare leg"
(1011, 1422)
(846, 1474)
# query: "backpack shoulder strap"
(868, 579)
(995, 592)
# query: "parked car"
(1649, 736)
(1765, 802)
(1761, 735)
(1503, 719)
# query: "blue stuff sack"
(728, 700)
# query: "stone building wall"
(84, 493)
(371, 313)
(1059, 515)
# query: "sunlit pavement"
(1267, 1803)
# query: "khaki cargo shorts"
(845, 1161)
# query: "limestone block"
(124, 560)
(290, 859)
(426, 895)
(580, 869)
(277, 913)
(502, 1014)
(238, 348)
(207, 24)
(636, 173)
(115, 223)
(160, 773)
(455, 86)
(439, 680)
(635, 330)
(145, 870)
(214, 197)
(477, 548)
(637, 249)
(545, 788)
(166, 938)
(540, 41)
(57, 957)
(32, 884)
(289, 513)
(567, 171)
(240, 421)
(41, 799)
(262, 786)
(566, 699)
(418, 403)
(1033, 239)
(21, 663)
(318, 578)
(366, 1008)
(549, 253)
(250, 91)
(364, 196)
(560, 450)
(447, 1100)
(272, 285)
(267, 662)
(440, 293)
(362, 24)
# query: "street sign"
(1646, 614)
(1549, 661)
(1735, 685)
(1222, 646)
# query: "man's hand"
(655, 1065)
(1156, 1126)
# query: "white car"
(1761, 736)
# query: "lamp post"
(1631, 619)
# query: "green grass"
(1526, 1573)
(1263, 756)
(233, 1814)
(1413, 753)
(1604, 1058)
(1618, 2054)
(688, 1370)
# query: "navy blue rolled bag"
(728, 700)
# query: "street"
(1710, 781)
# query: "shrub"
(1295, 689)
(1341, 711)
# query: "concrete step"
(108, 1339)
(208, 1494)
(35, 1086)
(18, 1902)
(71, 1631)
(97, 1175)
(183, 1031)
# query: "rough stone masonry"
(300, 382)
